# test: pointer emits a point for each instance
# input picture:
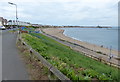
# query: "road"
(86, 51)
(12, 66)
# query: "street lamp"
(16, 11)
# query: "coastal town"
(59, 40)
(8, 23)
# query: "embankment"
(59, 34)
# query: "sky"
(63, 12)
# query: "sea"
(106, 37)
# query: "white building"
(20, 23)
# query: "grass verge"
(73, 64)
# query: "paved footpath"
(12, 66)
(0, 55)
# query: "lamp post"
(16, 12)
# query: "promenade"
(83, 47)
(12, 66)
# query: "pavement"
(13, 68)
(0, 55)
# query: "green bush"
(103, 77)
(91, 73)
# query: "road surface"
(12, 66)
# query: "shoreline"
(59, 33)
(90, 43)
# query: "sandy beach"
(59, 34)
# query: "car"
(2, 28)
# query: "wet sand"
(59, 34)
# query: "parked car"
(2, 28)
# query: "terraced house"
(3, 21)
